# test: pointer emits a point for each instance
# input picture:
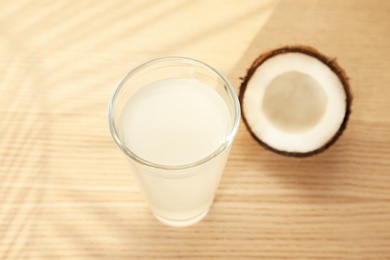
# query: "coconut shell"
(330, 62)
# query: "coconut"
(295, 101)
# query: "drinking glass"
(178, 195)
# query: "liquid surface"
(175, 122)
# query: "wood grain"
(67, 193)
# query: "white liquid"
(176, 122)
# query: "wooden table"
(66, 191)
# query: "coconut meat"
(294, 103)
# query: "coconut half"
(295, 101)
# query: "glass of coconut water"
(175, 120)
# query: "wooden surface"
(66, 191)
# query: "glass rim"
(228, 139)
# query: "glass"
(177, 194)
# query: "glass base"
(182, 223)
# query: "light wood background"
(66, 191)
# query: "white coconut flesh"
(294, 103)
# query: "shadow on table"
(25, 138)
(318, 172)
